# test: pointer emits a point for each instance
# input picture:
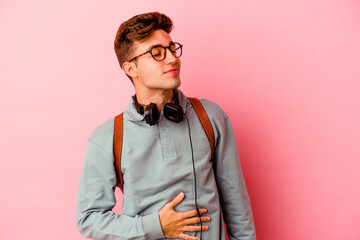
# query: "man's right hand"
(174, 224)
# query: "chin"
(173, 83)
(178, 83)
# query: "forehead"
(158, 37)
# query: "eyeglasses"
(158, 52)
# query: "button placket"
(167, 145)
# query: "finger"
(188, 237)
(196, 228)
(177, 200)
(194, 220)
(193, 213)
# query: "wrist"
(152, 226)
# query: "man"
(172, 186)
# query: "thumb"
(176, 200)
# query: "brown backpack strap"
(205, 122)
(118, 142)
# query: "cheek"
(150, 75)
(151, 71)
(144, 71)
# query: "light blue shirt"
(157, 165)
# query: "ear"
(130, 69)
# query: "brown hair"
(138, 28)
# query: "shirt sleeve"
(96, 199)
(234, 199)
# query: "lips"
(172, 70)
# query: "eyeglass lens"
(158, 52)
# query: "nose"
(170, 58)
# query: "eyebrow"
(157, 45)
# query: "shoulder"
(213, 110)
(217, 116)
(104, 133)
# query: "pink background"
(286, 72)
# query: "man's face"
(152, 74)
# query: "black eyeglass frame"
(150, 51)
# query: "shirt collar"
(131, 110)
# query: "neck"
(160, 98)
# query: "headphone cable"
(193, 162)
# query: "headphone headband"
(172, 111)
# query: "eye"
(157, 51)
(173, 47)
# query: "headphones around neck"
(172, 111)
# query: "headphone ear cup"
(151, 114)
(173, 112)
